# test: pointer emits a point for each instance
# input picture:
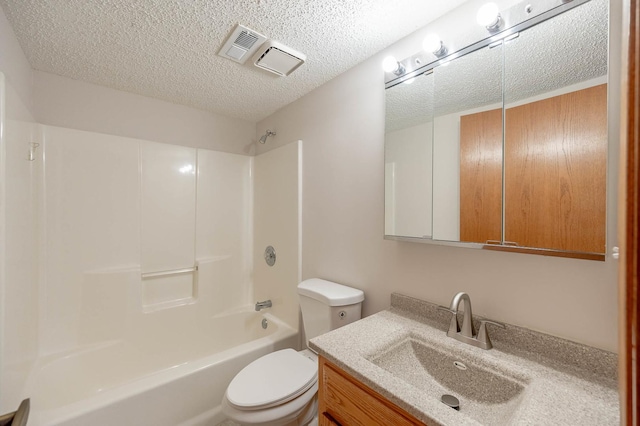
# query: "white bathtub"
(158, 378)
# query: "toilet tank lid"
(333, 294)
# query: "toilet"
(280, 389)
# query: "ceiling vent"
(278, 59)
(241, 44)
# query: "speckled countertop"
(528, 378)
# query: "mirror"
(408, 161)
(555, 160)
(506, 146)
(467, 148)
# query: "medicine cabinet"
(505, 146)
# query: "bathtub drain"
(265, 323)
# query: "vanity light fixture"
(433, 44)
(489, 17)
(391, 64)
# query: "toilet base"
(310, 414)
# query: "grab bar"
(170, 272)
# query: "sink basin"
(487, 394)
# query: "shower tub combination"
(175, 376)
(128, 282)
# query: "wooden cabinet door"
(325, 419)
(481, 177)
(345, 401)
(555, 172)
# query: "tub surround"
(562, 382)
(91, 303)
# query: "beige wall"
(342, 124)
(19, 241)
(64, 102)
(18, 74)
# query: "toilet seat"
(303, 407)
(272, 380)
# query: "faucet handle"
(483, 335)
(486, 321)
(453, 325)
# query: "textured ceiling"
(168, 49)
(565, 50)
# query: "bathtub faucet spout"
(262, 305)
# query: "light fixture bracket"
(441, 51)
(400, 70)
(495, 25)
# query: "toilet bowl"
(280, 389)
(275, 390)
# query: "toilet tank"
(326, 305)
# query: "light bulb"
(488, 15)
(431, 43)
(390, 64)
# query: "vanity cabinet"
(342, 400)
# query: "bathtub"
(165, 378)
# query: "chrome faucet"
(467, 318)
(263, 305)
(467, 334)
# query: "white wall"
(63, 102)
(342, 124)
(408, 154)
(446, 177)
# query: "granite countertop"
(527, 378)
